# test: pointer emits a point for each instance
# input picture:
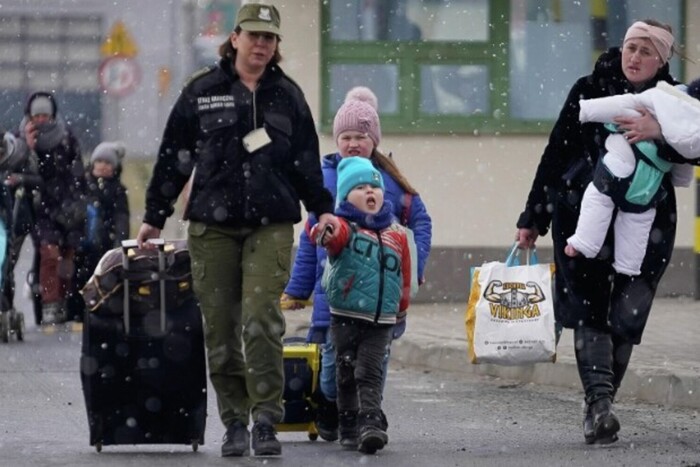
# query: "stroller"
(13, 157)
(22, 228)
(11, 320)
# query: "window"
(463, 66)
(52, 53)
(49, 49)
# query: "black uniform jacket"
(231, 186)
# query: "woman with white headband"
(606, 309)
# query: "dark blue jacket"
(310, 260)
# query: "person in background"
(245, 130)
(357, 133)
(23, 181)
(60, 204)
(368, 283)
(607, 310)
(14, 157)
(107, 213)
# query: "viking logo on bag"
(514, 300)
(510, 314)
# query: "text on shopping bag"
(512, 321)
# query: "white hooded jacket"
(678, 115)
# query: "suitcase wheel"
(98, 447)
(195, 445)
(17, 322)
(313, 436)
(5, 326)
(11, 322)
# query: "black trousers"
(361, 348)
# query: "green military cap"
(255, 17)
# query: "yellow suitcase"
(302, 361)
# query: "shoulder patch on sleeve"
(198, 74)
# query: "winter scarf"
(50, 134)
(378, 221)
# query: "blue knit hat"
(353, 171)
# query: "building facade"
(468, 90)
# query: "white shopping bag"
(510, 314)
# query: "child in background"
(357, 133)
(107, 219)
(368, 282)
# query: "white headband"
(659, 37)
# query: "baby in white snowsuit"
(636, 176)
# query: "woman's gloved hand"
(287, 302)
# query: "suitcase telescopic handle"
(130, 245)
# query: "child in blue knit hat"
(368, 280)
(356, 133)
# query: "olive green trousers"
(239, 275)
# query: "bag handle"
(513, 258)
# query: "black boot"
(594, 360)
(347, 429)
(236, 441)
(631, 301)
(588, 431)
(372, 436)
(622, 352)
(265, 441)
(385, 426)
(605, 422)
(600, 424)
(326, 417)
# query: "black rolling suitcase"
(142, 365)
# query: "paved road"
(436, 418)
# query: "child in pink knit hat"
(358, 113)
